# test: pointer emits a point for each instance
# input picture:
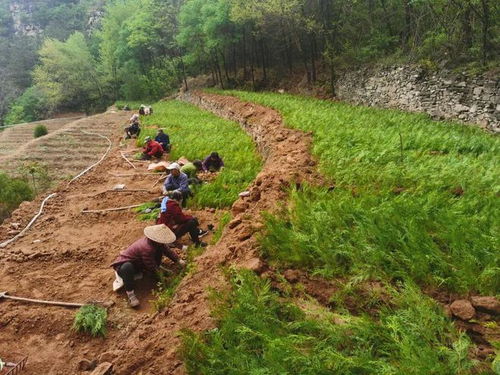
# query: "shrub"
(40, 131)
(30, 106)
(13, 191)
(91, 319)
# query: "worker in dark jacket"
(213, 163)
(144, 255)
(152, 149)
(176, 181)
(172, 216)
(163, 139)
(134, 129)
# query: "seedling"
(91, 319)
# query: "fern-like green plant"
(91, 319)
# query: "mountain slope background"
(82, 55)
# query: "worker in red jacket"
(172, 216)
(144, 255)
(152, 149)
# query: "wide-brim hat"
(160, 233)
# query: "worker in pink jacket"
(144, 255)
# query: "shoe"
(200, 244)
(133, 301)
(202, 233)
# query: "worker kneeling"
(172, 216)
(144, 255)
(152, 149)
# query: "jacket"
(153, 148)
(171, 214)
(180, 183)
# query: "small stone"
(108, 304)
(86, 365)
(463, 309)
(255, 264)
(488, 304)
(234, 223)
(37, 241)
(110, 356)
(291, 276)
(103, 369)
(15, 225)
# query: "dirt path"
(67, 255)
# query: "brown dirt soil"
(66, 254)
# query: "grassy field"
(415, 206)
(194, 134)
(415, 199)
(260, 333)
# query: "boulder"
(462, 309)
(488, 304)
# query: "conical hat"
(159, 233)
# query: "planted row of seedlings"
(412, 209)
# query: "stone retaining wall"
(443, 95)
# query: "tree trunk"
(486, 30)
(263, 55)
(245, 72)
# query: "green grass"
(259, 333)
(194, 134)
(426, 232)
(91, 319)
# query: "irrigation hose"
(100, 160)
(5, 243)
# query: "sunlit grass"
(415, 199)
(194, 134)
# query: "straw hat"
(159, 233)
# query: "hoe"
(4, 295)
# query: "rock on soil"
(463, 309)
(487, 304)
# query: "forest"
(70, 55)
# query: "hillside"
(338, 293)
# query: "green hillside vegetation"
(415, 199)
(13, 192)
(194, 134)
(144, 49)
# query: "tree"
(67, 74)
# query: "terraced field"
(65, 151)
